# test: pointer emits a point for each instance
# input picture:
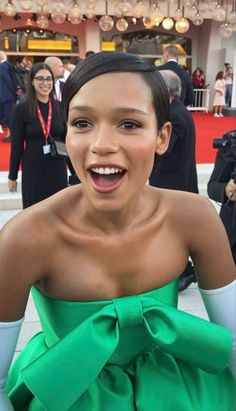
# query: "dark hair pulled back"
(108, 62)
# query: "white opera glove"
(220, 305)
(9, 333)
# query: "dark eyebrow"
(128, 110)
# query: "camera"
(227, 145)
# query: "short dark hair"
(89, 53)
(108, 62)
(19, 59)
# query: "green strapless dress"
(135, 353)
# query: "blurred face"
(113, 137)
(58, 69)
(165, 56)
(43, 84)
(24, 62)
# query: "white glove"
(9, 333)
(221, 308)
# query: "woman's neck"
(43, 99)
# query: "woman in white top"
(219, 99)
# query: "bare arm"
(209, 245)
(16, 277)
(216, 273)
(22, 261)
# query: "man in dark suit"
(222, 188)
(176, 169)
(8, 94)
(21, 74)
(170, 56)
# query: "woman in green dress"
(102, 260)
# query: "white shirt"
(58, 90)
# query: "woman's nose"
(104, 141)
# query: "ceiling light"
(9, 9)
(225, 30)
(106, 22)
(197, 19)
(168, 23)
(182, 25)
(122, 24)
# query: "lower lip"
(106, 189)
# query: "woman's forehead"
(43, 72)
(118, 84)
(114, 91)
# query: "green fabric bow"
(87, 349)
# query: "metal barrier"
(201, 102)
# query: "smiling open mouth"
(106, 179)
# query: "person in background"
(35, 121)
(219, 98)
(170, 57)
(58, 70)
(103, 258)
(228, 77)
(89, 53)
(21, 73)
(199, 83)
(8, 93)
(222, 188)
(68, 66)
(28, 64)
(66, 63)
(176, 169)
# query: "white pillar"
(92, 36)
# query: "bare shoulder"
(36, 227)
(194, 206)
(28, 244)
(183, 205)
(197, 211)
(24, 236)
(194, 222)
(23, 254)
(201, 230)
(192, 214)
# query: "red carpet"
(207, 128)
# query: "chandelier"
(171, 14)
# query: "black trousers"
(189, 270)
(6, 113)
(233, 250)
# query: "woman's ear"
(163, 138)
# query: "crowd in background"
(222, 88)
(13, 82)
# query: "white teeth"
(106, 170)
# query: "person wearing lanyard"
(35, 120)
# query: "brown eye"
(130, 125)
(81, 123)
